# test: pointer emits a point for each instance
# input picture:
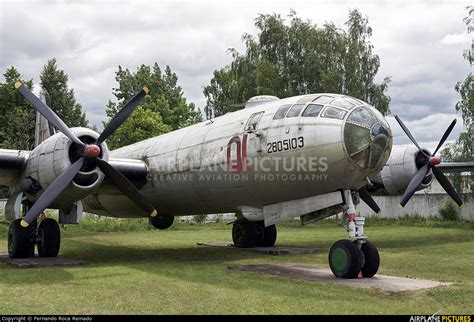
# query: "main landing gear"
(357, 256)
(247, 234)
(21, 240)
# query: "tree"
(63, 101)
(17, 117)
(142, 124)
(462, 149)
(165, 97)
(299, 58)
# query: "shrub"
(200, 219)
(447, 209)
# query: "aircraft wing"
(456, 166)
(136, 171)
(12, 163)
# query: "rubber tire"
(372, 259)
(50, 238)
(19, 240)
(268, 236)
(244, 234)
(349, 256)
(162, 222)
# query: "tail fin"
(43, 129)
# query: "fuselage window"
(312, 110)
(333, 113)
(323, 99)
(295, 110)
(281, 112)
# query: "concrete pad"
(322, 275)
(275, 250)
(37, 262)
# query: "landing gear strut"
(357, 256)
(247, 234)
(21, 240)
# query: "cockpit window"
(253, 121)
(367, 138)
(354, 101)
(312, 110)
(357, 138)
(281, 111)
(333, 113)
(295, 110)
(341, 102)
(363, 116)
(323, 99)
(378, 147)
(307, 98)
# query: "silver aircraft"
(309, 156)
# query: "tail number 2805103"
(285, 145)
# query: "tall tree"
(299, 58)
(63, 101)
(142, 124)
(462, 149)
(17, 117)
(165, 102)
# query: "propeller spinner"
(430, 163)
(89, 152)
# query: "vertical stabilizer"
(43, 130)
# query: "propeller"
(430, 163)
(89, 152)
(367, 198)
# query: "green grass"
(135, 270)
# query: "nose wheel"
(357, 256)
(349, 260)
(22, 240)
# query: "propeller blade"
(122, 115)
(126, 187)
(414, 183)
(445, 136)
(367, 198)
(52, 192)
(407, 132)
(47, 113)
(444, 182)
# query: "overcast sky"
(420, 46)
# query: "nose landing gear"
(357, 256)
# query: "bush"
(200, 219)
(447, 209)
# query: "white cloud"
(419, 44)
(456, 39)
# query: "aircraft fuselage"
(251, 158)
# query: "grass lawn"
(143, 271)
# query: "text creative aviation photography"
(296, 129)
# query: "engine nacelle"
(397, 173)
(48, 160)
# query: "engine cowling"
(399, 170)
(48, 160)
